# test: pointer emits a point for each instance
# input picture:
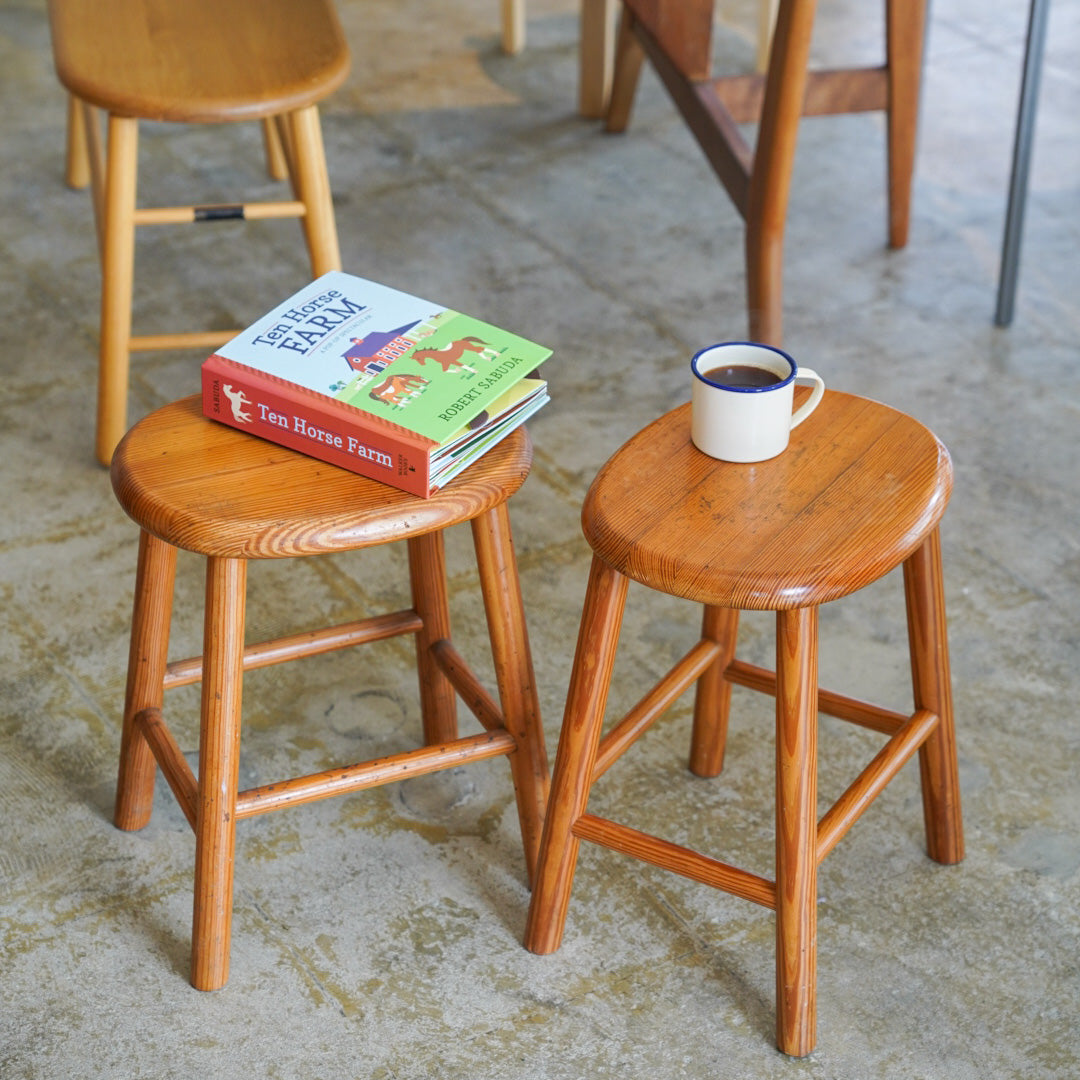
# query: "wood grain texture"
(147, 657)
(199, 61)
(427, 577)
(924, 591)
(208, 488)
(796, 831)
(504, 609)
(857, 490)
(575, 760)
(219, 771)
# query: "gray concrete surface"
(379, 936)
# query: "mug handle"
(804, 410)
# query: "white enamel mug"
(741, 422)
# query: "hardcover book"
(382, 383)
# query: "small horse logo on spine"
(237, 400)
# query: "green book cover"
(389, 354)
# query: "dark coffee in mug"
(743, 376)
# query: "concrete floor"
(379, 936)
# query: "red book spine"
(314, 424)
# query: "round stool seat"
(208, 488)
(855, 493)
(199, 61)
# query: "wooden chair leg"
(770, 177)
(427, 573)
(219, 770)
(76, 157)
(145, 678)
(575, 759)
(904, 36)
(95, 154)
(766, 19)
(313, 189)
(514, 673)
(597, 36)
(712, 700)
(513, 26)
(629, 56)
(277, 166)
(796, 830)
(118, 265)
(928, 639)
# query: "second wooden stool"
(859, 491)
(193, 484)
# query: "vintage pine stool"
(193, 484)
(196, 62)
(859, 491)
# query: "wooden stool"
(859, 490)
(199, 62)
(676, 35)
(193, 484)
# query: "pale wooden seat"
(197, 62)
(193, 484)
(676, 36)
(859, 491)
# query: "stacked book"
(377, 381)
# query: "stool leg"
(770, 176)
(513, 26)
(712, 700)
(904, 37)
(76, 154)
(575, 759)
(277, 165)
(629, 56)
(438, 699)
(145, 678)
(514, 672)
(313, 189)
(796, 831)
(219, 770)
(117, 272)
(594, 77)
(928, 639)
(95, 158)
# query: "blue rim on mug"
(742, 389)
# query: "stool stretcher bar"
(323, 785)
(886, 721)
(311, 643)
(188, 215)
(641, 717)
(835, 823)
(185, 339)
(320, 785)
(680, 860)
(908, 733)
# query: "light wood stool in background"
(197, 62)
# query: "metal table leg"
(1018, 183)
